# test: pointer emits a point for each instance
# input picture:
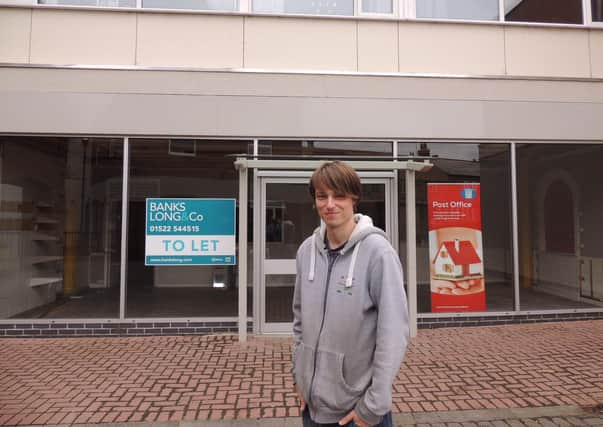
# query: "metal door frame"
(261, 264)
(245, 162)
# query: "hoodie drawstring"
(312, 259)
(363, 222)
(348, 280)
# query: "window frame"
(401, 10)
(583, 24)
(358, 11)
(413, 11)
(588, 15)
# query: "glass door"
(286, 217)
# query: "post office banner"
(455, 247)
(190, 232)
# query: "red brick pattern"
(91, 380)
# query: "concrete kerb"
(404, 419)
(467, 417)
(459, 416)
(547, 411)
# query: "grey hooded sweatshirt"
(350, 324)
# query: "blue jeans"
(386, 421)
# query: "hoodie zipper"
(322, 322)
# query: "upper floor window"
(322, 7)
(318, 7)
(377, 6)
(537, 11)
(597, 9)
(550, 11)
(191, 4)
(97, 3)
(484, 10)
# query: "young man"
(350, 317)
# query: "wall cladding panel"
(377, 46)
(299, 117)
(596, 53)
(555, 52)
(83, 37)
(451, 49)
(205, 41)
(290, 85)
(300, 44)
(15, 27)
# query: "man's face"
(334, 209)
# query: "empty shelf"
(45, 220)
(49, 258)
(40, 281)
(46, 237)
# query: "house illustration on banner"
(457, 260)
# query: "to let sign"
(190, 232)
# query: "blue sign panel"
(190, 232)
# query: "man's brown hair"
(337, 176)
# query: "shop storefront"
(115, 113)
(74, 237)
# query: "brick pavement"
(187, 378)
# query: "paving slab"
(221, 423)
(560, 422)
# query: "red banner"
(455, 247)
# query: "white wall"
(15, 30)
(222, 104)
(38, 35)
(546, 52)
(72, 37)
(189, 40)
(451, 49)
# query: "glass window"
(290, 217)
(325, 148)
(559, 218)
(99, 3)
(179, 169)
(597, 10)
(485, 10)
(317, 7)
(560, 206)
(60, 227)
(191, 4)
(489, 166)
(550, 11)
(377, 6)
